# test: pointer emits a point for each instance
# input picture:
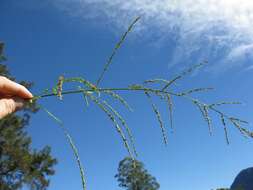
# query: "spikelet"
(159, 94)
(193, 68)
(224, 127)
(119, 98)
(86, 99)
(204, 112)
(239, 120)
(46, 91)
(80, 80)
(85, 82)
(159, 118)
(72, 144)
(156, 80)
(124, 124)
(54, 90)
(59, 87)
(193, 91)
(246, 133)
(208, 119)
(171, 82)
(117, 46)
(188, 71)
(163, 81)
(224, 103)
(170, 104)
(114, 121)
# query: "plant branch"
(110, 89)
(117, 46)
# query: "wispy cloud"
(218, 30)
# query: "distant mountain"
(244, 180)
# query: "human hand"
(12, 96)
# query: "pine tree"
(20, 164)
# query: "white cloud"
(250, 68)
(218, 30)
(242, 50)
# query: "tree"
(2, 58)
(20, 164)
(133, 176)
(243, 180)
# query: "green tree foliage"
(20, 164)
(2, 58)
(133, 176)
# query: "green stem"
(106, 89)
(142, 89)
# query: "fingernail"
(28, 93)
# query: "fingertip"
(10, 105)
(11, 88)
(29, 94)
(25, 93)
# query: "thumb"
(10, 105)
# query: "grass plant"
(92, 94)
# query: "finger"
(8, 87)
(10, 105)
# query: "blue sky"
(50, 38)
